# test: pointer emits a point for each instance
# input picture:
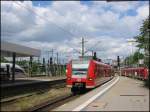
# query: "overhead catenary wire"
(33, 12)
(42, 17)
(89, 49)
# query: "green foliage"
(22, 63)
(35, 66)
(145, 26)
(143, 37)
(133, 59)
(140, 40)
(137, 56)
(143, 42)
(3, 60)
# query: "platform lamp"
(131, 42)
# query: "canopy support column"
(13, 66)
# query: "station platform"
(120, 94)
(28, 85)
(30, 80)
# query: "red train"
(84, 74)
(138, 72)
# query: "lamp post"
(131, 42)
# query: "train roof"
(101, 63)
(80, 61)
(133, 68)
(86, 61)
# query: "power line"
(32, 11)
(74, 49)
(89, 49)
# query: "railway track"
(24, 102)
(47, 104)
(51, 104)
(12, 99)
(11, 91)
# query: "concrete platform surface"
(126, 95)
(82, 99)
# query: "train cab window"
(79, 71)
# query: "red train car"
(138, 72)
(84, 74)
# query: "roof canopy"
(8, 48)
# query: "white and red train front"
(83, 74)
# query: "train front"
(77, 73)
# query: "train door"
(135, 73)
(98, 73)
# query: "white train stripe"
(80, 65)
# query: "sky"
(60, 25)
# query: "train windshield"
(80, 67)
(79, 71)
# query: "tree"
(133, 59)
(143, 40)
(137, 55)
(3, 60)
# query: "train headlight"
(90, 79)
(66, 70)
(69, 78)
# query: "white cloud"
(99, 22)
(143, 11)
(123, 6)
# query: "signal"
(51, 60)
(94, 57)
